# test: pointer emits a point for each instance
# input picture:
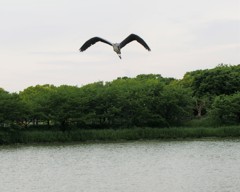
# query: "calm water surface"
(171, 166)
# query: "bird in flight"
(116, 46)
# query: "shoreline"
(118, 135)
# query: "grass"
(39, 136)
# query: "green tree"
(12, 110)
(36, 100)
(64, 106)
(226, 109)
(209, 83)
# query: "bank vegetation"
(202, 98)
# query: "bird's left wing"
(92, 41)
(133, 37)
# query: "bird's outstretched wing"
(133, 37)
(92, 41)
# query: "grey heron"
(116, 46)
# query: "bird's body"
(117, 49)
(116, 46)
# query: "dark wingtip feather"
(81, 49)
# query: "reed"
(38, 136)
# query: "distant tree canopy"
(209, 83)
(226, 109)
(223, 79)
(144, 101)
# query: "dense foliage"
(143, 101)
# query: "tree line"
(143, 101)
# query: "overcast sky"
(39, 39)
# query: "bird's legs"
(119, 55)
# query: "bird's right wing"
(92, 41)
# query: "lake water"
(143, 166)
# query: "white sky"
(39, 39)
